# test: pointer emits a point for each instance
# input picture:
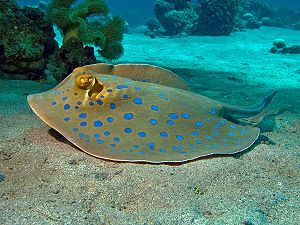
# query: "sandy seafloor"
(49, 181)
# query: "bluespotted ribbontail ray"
(142, 113)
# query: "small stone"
(2, 177)
(101, 176)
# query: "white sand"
(48, 181)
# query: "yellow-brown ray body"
(103, 110)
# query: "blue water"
(135, 12)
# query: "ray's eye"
(86, 81)
(90, 83)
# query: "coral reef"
(208, 17)
(217, 17)
(74, 23)
(26, 41)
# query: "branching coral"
(175, 15)
(74, 23)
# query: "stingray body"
(141, 113)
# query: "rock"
(253, 23)
(247, 16)
(295, 49)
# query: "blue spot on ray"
(128, 130)
(128, 116)
(185, 115)
(198, 124)
(109, 119)
(67, 107)
(106, 133)
(82, 115)
(164, 134)
(199, 142)
(83, 124)
(154, 107)
(112, 105)
(138, 101)
(213, 111)
(173, 115)
(170, 122)
(100, 142)
(195, 133)
(217, 126)
(216, 133)
(99, 102)
(98, 123)
(153, 121)
(179, 137)
(142, 134)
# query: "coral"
(27, 40)
(175, 15)
(152, 23)
(279, 43)
(216, 17)
(210, 17)
(74, 23)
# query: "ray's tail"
(236, 112)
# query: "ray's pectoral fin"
(233, 113)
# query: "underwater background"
(237, 52)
